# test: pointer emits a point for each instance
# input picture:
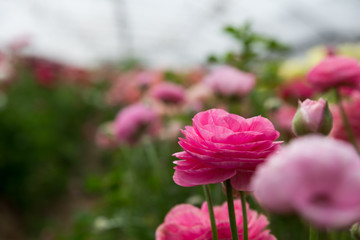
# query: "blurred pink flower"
(229, 81)
(196, 97)
(316, 176)
(352, 110)
(335, 71)
(296, 90)
(134, 121)
(168, 93)
(221, 146)
(123, 91)
(187, 222)
(283, 116)
(147, 78)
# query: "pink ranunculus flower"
(335, 71)
(229, 81)
(168, 93)
(316, 176)
(187, 222)
(352, 108)
(312, 117)
(221, 146)
(134, 121)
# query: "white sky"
(166, 32)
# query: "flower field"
(251, 144)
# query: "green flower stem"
(211, 212)
(244, 215)
(345, 121)
(231, 210)
(314, 234)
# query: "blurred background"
(69, 68)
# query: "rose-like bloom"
(222, 146)
(312, 117)
(335, 71)
(168, 93)
(316, 176)
(187, 222)
(352, 108)
(134, 121)
(229, 81)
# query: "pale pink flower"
(335, 71)
(221, 146)
(134, 121)
(186, 222)
(229, 81)
(168, 93)
(316, 176)
(312, 117)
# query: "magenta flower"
(316, 176)
(134, 121)
(312, 117)
(187, 222)
(221, 146)
(168, 92)
(335, 71)
(229, 81)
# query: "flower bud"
(312, 117)
(355, 231)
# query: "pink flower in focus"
(168, 92)
(221, 146)
(316, 176)
(352, 110)
(187, 222)
(335, 71)
(134, 121)
(229, 81)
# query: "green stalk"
(244, 215)
(231, 210)
(345, 121)
(211, 212)
(314, 234)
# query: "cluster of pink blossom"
(315, 175)
(165, 98)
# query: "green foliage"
(253, 48)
